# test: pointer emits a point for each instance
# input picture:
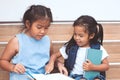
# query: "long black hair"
(91, 27)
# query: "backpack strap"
(69, 63)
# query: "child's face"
(81, 36)
(38, 29)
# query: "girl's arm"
(102, 67)
(53, 56)
(61, 67)
(51, 49)
(59, 60)
(9, 52)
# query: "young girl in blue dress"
(87, 34)
(30, 50)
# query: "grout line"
(57, 22)
(57, 41)
(115, 63)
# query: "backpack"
(70, 61)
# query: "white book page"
(53, 76)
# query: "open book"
(53, 76)
(94, 56)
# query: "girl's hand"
(62, 69)
(19, 68)
(87, 66)
(49, 67)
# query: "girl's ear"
(92, 36)
(27, 24)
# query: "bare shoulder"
(14, 43)
(11, 49)
(13, 40)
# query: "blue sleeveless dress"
(33, 54)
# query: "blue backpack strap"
(95, 46)
(69, 63)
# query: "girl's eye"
(81, 35)
(39, 27)
(78, 35)
(46, 27)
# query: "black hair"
(91, 27)
(36, 12)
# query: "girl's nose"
(42, 30)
